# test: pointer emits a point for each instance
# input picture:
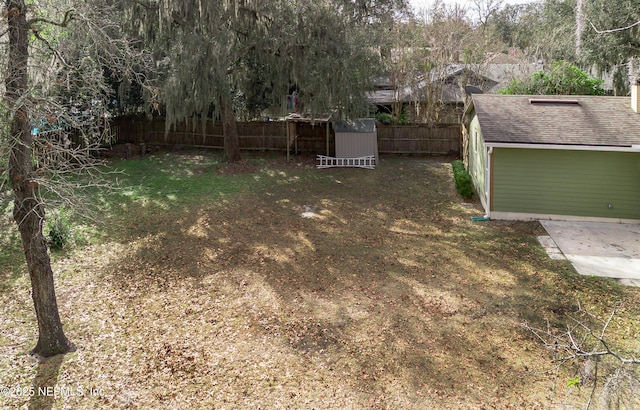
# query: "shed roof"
(558, 120)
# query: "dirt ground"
(320, 289)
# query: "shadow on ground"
(325, 288)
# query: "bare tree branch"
(68, 17)
(586, 342)
(614, 30)
(50, 47)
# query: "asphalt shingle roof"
(591, 120)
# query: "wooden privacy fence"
(253, 135)
(419, 139)
(443, 139)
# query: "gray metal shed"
(356, 143)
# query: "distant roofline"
(552, 96)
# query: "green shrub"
(386, 119)
(60, 235)
(464, 184)
(563, 79)
(390, 119)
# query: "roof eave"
(566, 147)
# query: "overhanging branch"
(68, 17)
(49, 46)
(614, 30)
(585, 341)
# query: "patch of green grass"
(169, 180)
(11, 259)
(11, 256)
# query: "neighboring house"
(445, 86)
(555, 157)
(389, 97)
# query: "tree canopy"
(584, 33)
(562, 79)
(224, 57)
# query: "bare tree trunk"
(229, 130)
(28, 211)
(580, 23)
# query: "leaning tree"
(55, 55)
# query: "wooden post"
(327, 137)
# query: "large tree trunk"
(229, 130)
(28, 211)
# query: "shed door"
(561, 182)
(356, 144)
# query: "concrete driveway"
(597, 248)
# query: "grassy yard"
(273, 285)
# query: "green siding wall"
(580, 183)
(478, 160)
